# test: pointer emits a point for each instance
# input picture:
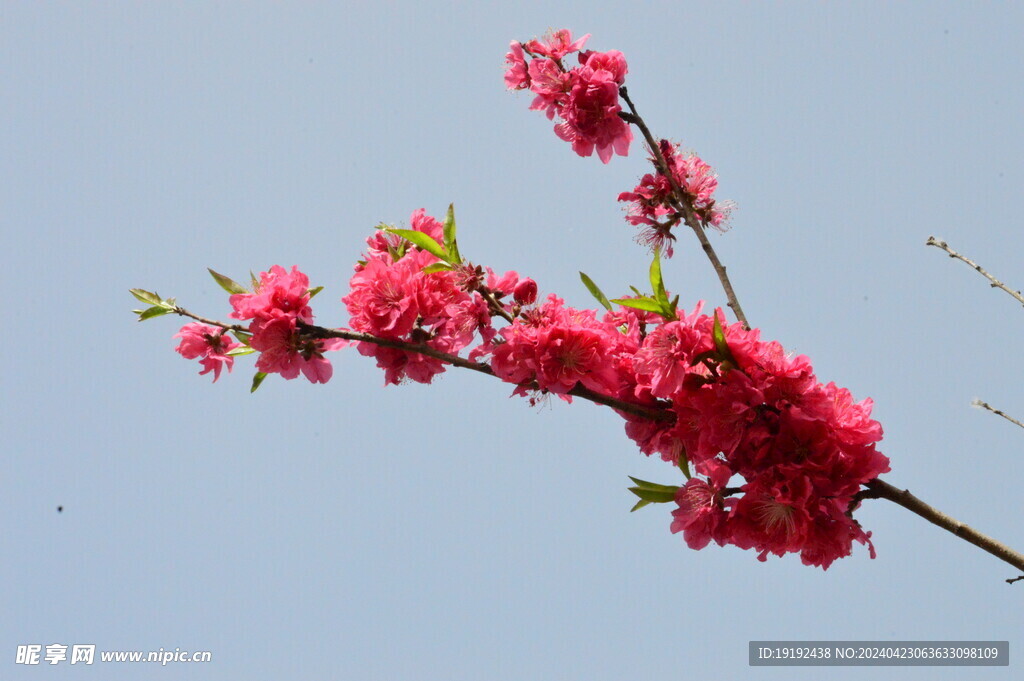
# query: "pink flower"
(283, 350)
(382, 244)
(278, 291)
(209, 344)
(380, 302)
(558, 348)
(701, 514)
(651, 199)
(667, 355)
(591, 115)
(392, 297)
(516, 77)
(525, 292)
(556, 45)
(612, 61)
(550, 83)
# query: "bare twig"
(879, 489)
(985, 405)
(682, 203)
(995, 283)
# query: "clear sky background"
(447, 531)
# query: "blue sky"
(446, 531)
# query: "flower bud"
(525, 292)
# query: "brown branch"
(879, 489)
(178, 310)
(682, 203)
(995, 283)
(985, 405)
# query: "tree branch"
(683, 205)
(995, 283)
(985, 405)
(879, 489)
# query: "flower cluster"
(553, 348)
(585, 97)
(745, 408)
(397, 295)
(654, 207)
(209, 344)
(277, 307)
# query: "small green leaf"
(684, 465)
(653, 496)
(450, 245)
(645, 303)
(635, 290)
(657, 283)
(155, 311)
(640, 504)
(314, 291)
(437, 267)
(227, 283)
(145, 296)
(255, 281)
(718, 334)
(595, 291)
(238, 352)
(243, 336)
(643, 484)
(424, 241)
(257, 380)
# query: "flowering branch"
(682, 203)
(938, 243)
(879, 489)
(773, 458)
(985, 405)
(314, 331)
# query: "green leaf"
(314, 291)
(657, 283)
(257, 380)
(645, 303)
(255, 281)
(684, 465)
(243, 336)
(450, 245)
(238, 352)
(145, 296)
(640, 504)
(635, 290)
(437, 267)
(653, 496)
(643, 484)
(424, 241)
(155, 311)
(227, 283)
(595, 291)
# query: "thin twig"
(494, 305)
(995, 283)
(997, 412)
(879, 489)
(683, 204)
(178, 310)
